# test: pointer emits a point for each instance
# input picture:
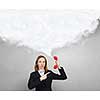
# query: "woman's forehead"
(42, 59)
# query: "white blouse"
(41, 72)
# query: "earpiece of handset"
(55, 58)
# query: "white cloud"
(46, 30)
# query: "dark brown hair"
(36, 63)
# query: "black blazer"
(45, 85)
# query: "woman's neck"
(41, 69)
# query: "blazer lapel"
(37, 73)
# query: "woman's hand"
(57, 64)
(44, 76)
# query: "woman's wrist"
(59, 67)
(41, 79)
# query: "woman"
(41, 78)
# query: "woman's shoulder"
(33, 72)
(49, 71)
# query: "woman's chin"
(41, 68)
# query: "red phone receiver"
(55, 58)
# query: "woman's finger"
(47, 73)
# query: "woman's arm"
(62, 75)
(33, 81)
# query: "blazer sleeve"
(62, 75)
(33, 81)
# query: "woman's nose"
(41, 63)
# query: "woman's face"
(41, 63)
